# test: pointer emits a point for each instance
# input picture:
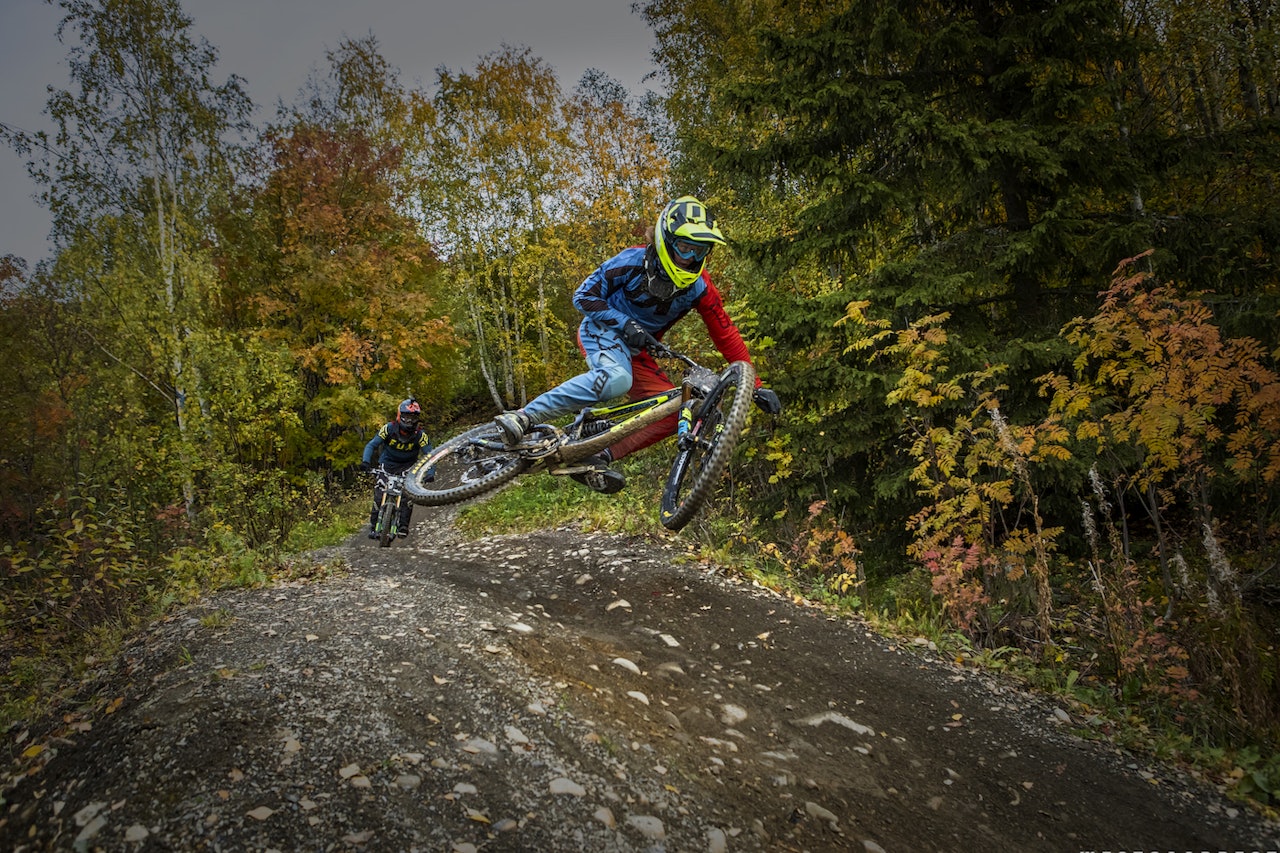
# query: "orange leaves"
(336, 275)
(349, 358)
(1171, 385)
(52, 416)
(816, 508)
(823, 546)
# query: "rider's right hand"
(366, 467)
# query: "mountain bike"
(711, 409)
(392, 486)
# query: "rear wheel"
(386, 516)
(704, 453)
(463, 467)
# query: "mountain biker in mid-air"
(627, 305)
(397, 447)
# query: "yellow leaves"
(1089, 430)
(1056, 451)
(1168, 379)
(855, 312)
(777, 451)
(869, 332)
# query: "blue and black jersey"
(397, 449)
(618, 291)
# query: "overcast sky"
(275, 44)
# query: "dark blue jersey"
(396, 447)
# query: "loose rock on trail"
(567, 691)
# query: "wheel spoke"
(463, 467)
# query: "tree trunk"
(482, 351)
(1244, 62)
(165, 251)
(1166, 578)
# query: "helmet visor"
(689, 254)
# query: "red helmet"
(408, 414)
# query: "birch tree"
(140, 156)
(621, 167)
(498, 174)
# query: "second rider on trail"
(396, 447)
(627, 305)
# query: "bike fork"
(689, 433)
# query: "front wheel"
(463, 467)
(386, 517)
(704, 452)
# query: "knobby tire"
(462, 470)
(698, 468)
(385, 533)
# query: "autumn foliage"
(1169, 423)
(925, 206)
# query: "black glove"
(366, 467)
(635, 336)
(768, 401)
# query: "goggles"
(689, 251)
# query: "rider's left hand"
(767, 400)
(637, 337)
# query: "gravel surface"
(562, 691)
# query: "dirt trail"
(562, 692)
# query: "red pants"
(647, 379)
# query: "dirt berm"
(562, 691)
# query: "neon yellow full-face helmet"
(683, 238)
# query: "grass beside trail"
(55, 662)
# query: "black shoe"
(513, 425)
(599, 476)
(402, 533)
(373, 534)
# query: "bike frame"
(550, 447)
(392, 486)
(479, 460)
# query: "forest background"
(1011, 267)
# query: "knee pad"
(610, 382)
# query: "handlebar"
(661, 350)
